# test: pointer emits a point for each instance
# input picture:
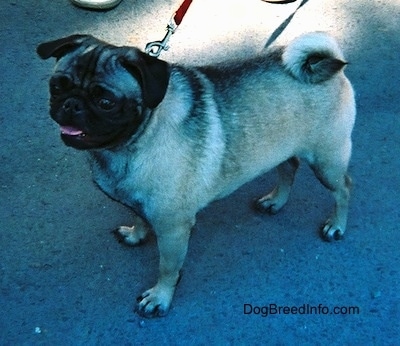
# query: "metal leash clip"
(156, 47)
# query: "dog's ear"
(153, 75)
(58, 48)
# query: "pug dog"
(167, 139)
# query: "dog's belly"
(234, 180)
(245, 162)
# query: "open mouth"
(71, 131)
(78, 139)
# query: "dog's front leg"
(172, 245)
(134, 235)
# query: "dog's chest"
(113, 174)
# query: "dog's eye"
(106, 104)
(104, 99)
(59, 85)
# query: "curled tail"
(313, 57)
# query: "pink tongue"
(69, 130)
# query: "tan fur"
(215, 128)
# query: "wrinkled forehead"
(95, 62)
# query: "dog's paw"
(155, 302)
(331, 231)
(271, 203)
(266, 206)
(131, 236)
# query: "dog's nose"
(73, 107)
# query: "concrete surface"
(64, 280)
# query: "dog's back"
(282, 103)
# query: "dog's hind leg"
(277, 198)
(333, 175)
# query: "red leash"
(155, 48)
(182, 11)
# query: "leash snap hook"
(156, 47)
